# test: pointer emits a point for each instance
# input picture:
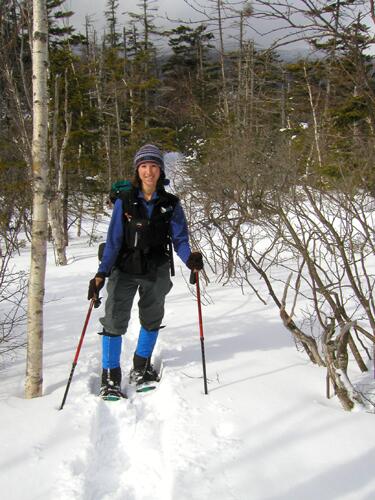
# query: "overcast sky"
(95, 8)
(177, 10)
(172, 9)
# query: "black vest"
(146, 243)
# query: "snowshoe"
(138, 377)
(111, 393)
(111, 385)
(143, 375)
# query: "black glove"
(94, 290)
(195, 261)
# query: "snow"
(265, 431)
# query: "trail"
(151, 446)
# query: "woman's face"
(149, 173)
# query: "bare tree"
(292, 21)
(34, 368)
(13, 284)
(260, 215)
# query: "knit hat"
(149, 152)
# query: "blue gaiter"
(111, 351)
(146, 342)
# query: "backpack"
(117, 188)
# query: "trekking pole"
(194, 279)
(75, 361)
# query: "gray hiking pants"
(122, 288)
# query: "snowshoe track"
(147, 447)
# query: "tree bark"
(56, 204)
(34, 367)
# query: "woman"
(136, 258)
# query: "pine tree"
(113, 37)
(190, 79)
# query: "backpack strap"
(168, 198)
(129, 202)
(172, 200)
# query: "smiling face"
(149, 173)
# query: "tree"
(190, 83)
(15, 69)
(311, 20)
(62, 76)
(34, 367)
(257, 216)
(144, 60)
(113, 37)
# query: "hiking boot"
(111, 383)
(142, 371)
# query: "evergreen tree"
(113, 37)
(190, 82)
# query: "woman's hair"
(136, 181)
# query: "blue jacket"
(178, 225)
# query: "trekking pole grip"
(193, 278)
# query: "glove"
(195, 261)
(94, 289)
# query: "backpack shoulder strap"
(168, 198)
(129, 201)
(173, 199)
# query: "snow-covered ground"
(265, 430)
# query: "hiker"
(146, 219)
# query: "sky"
(177, 8)
(171, 13)
(173, 9)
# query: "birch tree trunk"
(56, 203)
(106, 134)
(34, 366)
(315, 118)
